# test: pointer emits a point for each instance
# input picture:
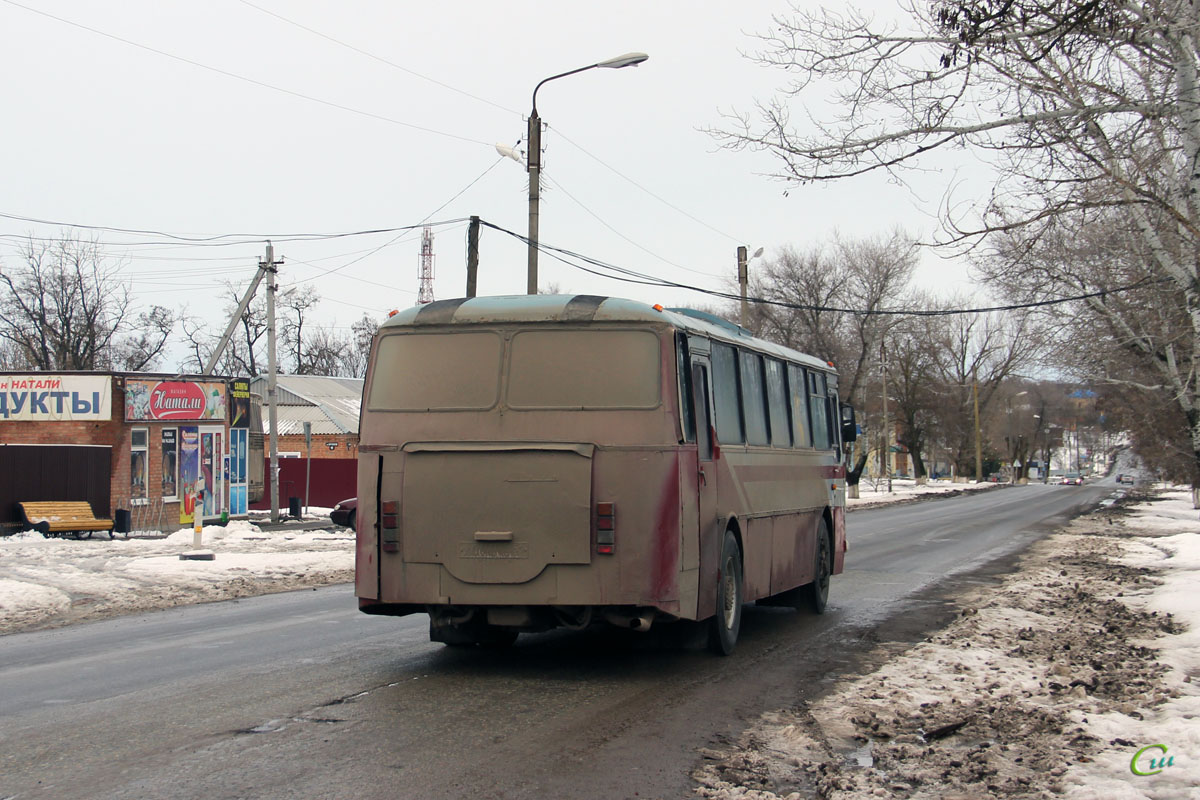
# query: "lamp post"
(1014, 443)
(535, 155)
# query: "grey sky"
(102, 132)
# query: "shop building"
(152, 451)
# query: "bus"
(544, 461)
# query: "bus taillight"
(606, 528)
(389, 523)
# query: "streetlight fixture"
(534, 159)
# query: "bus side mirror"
(849, 424)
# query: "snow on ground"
(1050, 685)
(47, 582)
(875, 491)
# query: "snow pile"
(56, 581)
(875, 492)
(1047, 686)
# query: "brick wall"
(345, 445)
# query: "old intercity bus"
(541, 461)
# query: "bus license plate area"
(457, 503)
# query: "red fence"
(333, 479)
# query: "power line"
(407, 229)
(631, 276)
(243, 78)
(657, 197)
(224, 239)
(597, 217)
(380, 59)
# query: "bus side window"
(819, 409)
(726, 397)
(686, 389)
(754, 399)
(777, 404)
(798, 391)
(699, 381)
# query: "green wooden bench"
(56, 518)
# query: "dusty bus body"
(540, 461)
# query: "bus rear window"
(436, 372)
(584, 369)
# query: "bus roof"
(585, 308)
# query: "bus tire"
(817, 592)
(725, 624)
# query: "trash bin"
(122, 521)
(294, 507)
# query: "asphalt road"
(300, 696)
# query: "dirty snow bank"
(873, 492)
(1047, 686)
(47, 582)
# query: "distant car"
(1071, 479)
(1125, 479)
(345, 513)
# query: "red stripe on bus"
(666, 538)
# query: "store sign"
(55, 398)
(173, 400)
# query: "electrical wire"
(407, 229)
(245, 79)
(614, 272)
(657, 197)
(223, 239)
(597, 217)
(380, 59)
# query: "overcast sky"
(106, 132)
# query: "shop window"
(170, 464)
(138, 465)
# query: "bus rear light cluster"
(389, 524)
(606, 528)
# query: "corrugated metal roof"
(331, 405)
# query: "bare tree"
(67, 307)
(1081, 108)
(827, 301)
(912, 355)
(977, 354)
(362, 334)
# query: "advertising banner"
(40, 397)
(189, 472)
(173, 400)
(239, 403)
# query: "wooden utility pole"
(472, 256)
(887, 433)
(978, 437)
(743, 281)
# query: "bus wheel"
(818, 591)
(725, 624)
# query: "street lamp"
(535, 154)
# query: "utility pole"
(269, 264)
(887, 433)
(535, 183)
(472, 255)
(743, 280)
(978, 439)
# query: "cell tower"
(425, 268)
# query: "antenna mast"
(425, 270)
